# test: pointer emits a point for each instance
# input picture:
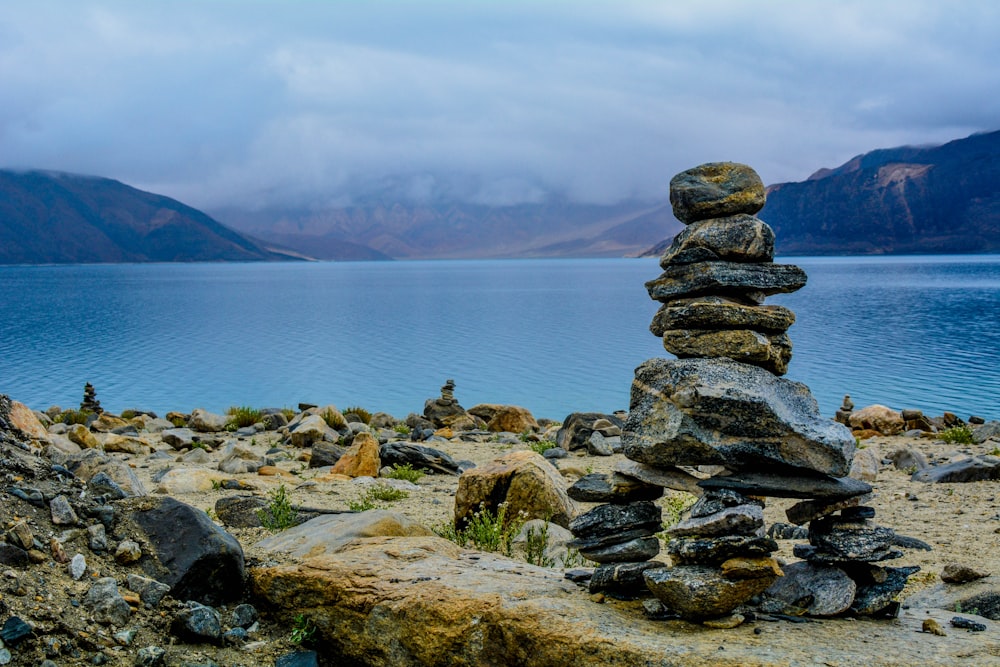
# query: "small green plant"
(198, 444)
(486, 531)
(178, 422)
(407, 472)
(128, 414)
(911, 470)
(333, 418)
(541, 446)
(216, 485)
(573, 558)
(279, 514)
(288, 414)
(401, 429)
(303, 630)
(960, 435)
(363, 415)
(675, 505)
(995, 451)
(537, 543)
(374, 496)
(242, 416)
(72, 417)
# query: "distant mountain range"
(910, 200)
(938, 199)
(57, 218)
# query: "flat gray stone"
(714, 550)
(736, 238)
(725, 278)
(608, 519)
(638, 549)
(739, 520)
(719, 313)
(818, 590)
(622, 580)
(789, 486)
(771, 352)
(975, 469)
(614, 488)
(668, 477)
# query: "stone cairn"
(90, 402)
(721, 409)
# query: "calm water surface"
(555, 336)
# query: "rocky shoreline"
(90, 512)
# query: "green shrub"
(407, 472)
(534, 548)
(333, 419)
(279, 514)
(401, 428)
(242, 416)
(72, 417)
(541, 446)
(486, 531)
(376, 494)
(961, 435)
(302, 630)
(363, 415)
(288, 413)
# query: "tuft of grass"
(486, 531)
(128, 414)
(72, 417)
(303, 630)
(242, 416)
(333, 419)
(288, 413)
(374, 496)
(407, 472)
(278, 515)
(178, 422)
(363, 415)
(961, 435)
(534, 548)
(541, 446)
(401, 429)
(995, 451)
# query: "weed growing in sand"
(178, 422)
(363, 415)
(333, 419)
(958, 435)
(302, 630)
(401, 429)
(288, 414)
(537, 543)
(279, 514)
(405, 471)
(374, 495)
(541, 446)
(573, 558)
(242, 416)
(486, 531)
(995, 451)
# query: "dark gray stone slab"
(739, 520)
(818, 590)
(975, 469)
(638, 549)
(614, 488)
(622, 580)
(679, 281)
(788, 486)
(713, 550)
(718, 313)
(736, 238)
(608, 519)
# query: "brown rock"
(933, 627)
(361, 459)
(865, 465)
(955, 573)
(743, 567)
(738, 238)
(105, 423)
(879, 418)
(512, 418)
(22, 418)
(769, 351)
(719, 313)
(522, 479)
(82, 436)
(112, 442)
(697, 592)
(330, 533)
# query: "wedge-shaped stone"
(716, 189)
(769, 351)
(737, 238)
(718, 313)
(725, 278)
(721, 412)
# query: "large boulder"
(512, 418)
(721, 412)
(91, 462)
(738, 238)
(877, 418)
(22, 418)
(523, 480)
(204, 421)
(330, 533)
(414, 601)
(361, 459)
(189, 553)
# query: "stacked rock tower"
(722, 408)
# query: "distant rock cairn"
(722, 409)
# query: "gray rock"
(718, 313)
(865, 466)
(197, 622)
(578, 426)
(158, 425)
(778, 485)
(771, 352)
(97, 538)
(310, 430)
(127, 551)
(984, 432)
(818, 590)
(680, 281)
(787, 531)
(597, 445)
(78, 567)
(106, 603)
(739, 520)
(609, 539)
(325, 454)
(622, 580)
(178, 438)
(101, 484)
(91, 462)
(192, 555)
(150, 656)
(204, 421)
(150, 591)
(721, 412)
(716, 189)
(240, 511)
(419, 457)
(607, 519)
(13, 555)
(555, 453)
(62, 512)
(298, 659)
(874, 596)
(956, 573)
(618, 488)
(669, 477)
(908, 459)
(807, 510)
(714, 502)
(243, 616)
(737, 238)
(859, 540)
(975, 469)
(713, 550)
(14, 630)
(638, 549)
(696, 592)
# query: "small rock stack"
(619, 534)
(723, 408)
(90, 402)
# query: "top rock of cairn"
(715, 190)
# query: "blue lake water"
(555, 336)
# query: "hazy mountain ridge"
(52, 217)
(911, 199)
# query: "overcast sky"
(310, 103)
